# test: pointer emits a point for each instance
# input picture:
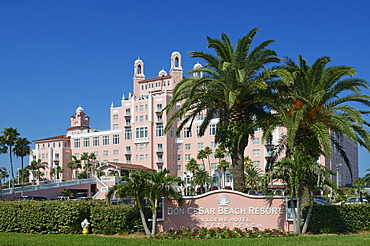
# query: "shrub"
(339, 219)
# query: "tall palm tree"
(317, 108)
(3, 175)
(202, 179)
(87, 166)
(74, 164)
(253, 175)
(35, 167)
(8, 140)
(133, 185)
(22, 149)
(230, 90)
(92, 157)
(193, 167)
(56, 171)
(161, 186)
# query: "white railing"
(141, 140)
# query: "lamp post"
(337, 167)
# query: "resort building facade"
(137, 139)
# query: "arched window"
(139, 69)
(176, 62)
(215, 179)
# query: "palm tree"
(3, 175)
(35, 167)
(230, 90)
(133, 185)
(204, 154)
(8, 140)
(161, 186)
(113, 172)
(87, 166)
(22, 149)
(202, 179)
(298, 172)
(74, 164)
(223, 165)
(56, 171)
(359, 184)
(316, 108)
(252, 176)
(192, 166)
(92, 157)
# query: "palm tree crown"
(229, 90)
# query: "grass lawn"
(69, 240)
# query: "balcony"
(159, 160)
(159, 150)
(127, 114)
(158, 110)
(268, 154)
(127, 162)
(159, 121)
(127, 152)
(56, 159)
(127, 124)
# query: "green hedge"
(66, 217)
(340, 219)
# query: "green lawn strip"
(70, 240)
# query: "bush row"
(66, 217)
(339, 219)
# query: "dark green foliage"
(114, 219)
(340, 219)
(55, 217)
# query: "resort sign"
(225, 208)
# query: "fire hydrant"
(85, 226)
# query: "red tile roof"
(61, 137)
(129, 166)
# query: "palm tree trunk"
(22, 178)
(154, 222)
(12, 170)
(143, 220)
(307, 221)
(238, 165)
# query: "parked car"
(355, 200)
(29, 198)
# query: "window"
(159, 117)
(141, 157)
(128, 134)
(200, 117)
(179, 157)
(115, 160)
(86, 142)
(198, 130)
(115, 126)
(201, 166)
(159, 131)
(187, 132)
(187, 157)
(115, 117)
(212, 129)
(269, 151)
(213, 155)
(128, 159)
(159, 107)
(257, 163)
(160, 167)
(160, 147)
(256, 152)
(115, 152)
(256, 141)
(200, 145)
(229, 178)
(179, 168)
(187, 146)
(141, 147)
(96, 153)
(179, 147)
(105, 140)
(77, 143)
(95, 141)
(172, 132)
(105, 153)
(213, 145)
(141, 108)
(141, 132)
(128, 149)
(116, 139)
(77, 155)
(141, 117)
(160, 157)
(213, 166)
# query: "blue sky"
(57, 55)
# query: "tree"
(74, 164)
(161, 186)
(230, 90)
(113, 172)
(193, 167)
(22, 149)
(133, 185)
(3, 175)
(300, 171)
(317, 108)
(252, 176)
(8, 140)
(35, 167)
(359, 184)
(87, 166)
(56, 171)
(202, 178)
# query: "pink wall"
(225, 209)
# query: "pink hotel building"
(136, 138)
